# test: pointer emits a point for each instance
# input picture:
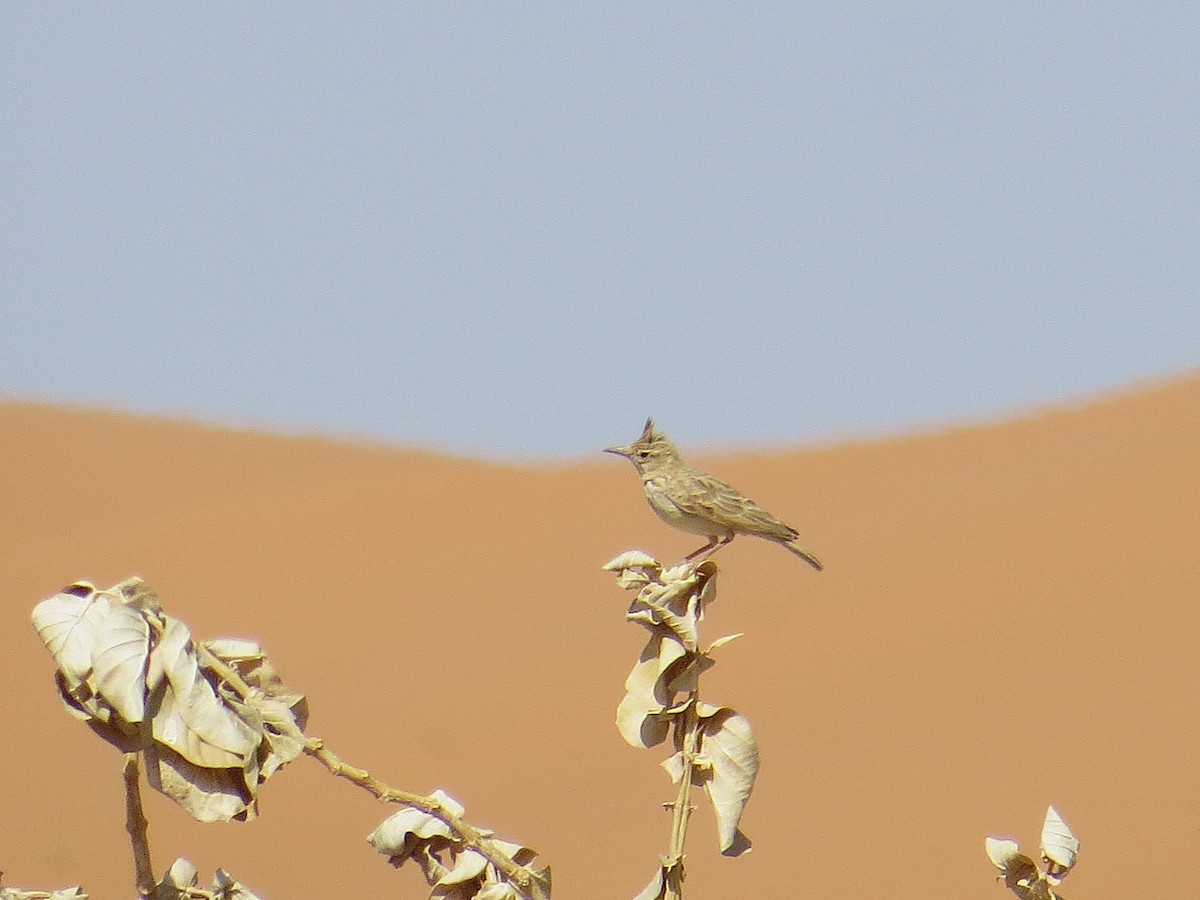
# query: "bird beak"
(620, 451)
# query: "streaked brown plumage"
(700, 503)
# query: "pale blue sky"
(516, 229)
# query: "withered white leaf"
(634, 569)
(633, 559)
(468, 865)
(674, 766)
(518, 853)
(678, 573)
(399, 835)
(191, 719)
(730, 754)
(282, 739)
(649, 691)
(278, 715)
(668, 606)
(253, 665)
(632, 579)
(1001, 851)
(656, 889)
(226, 887)
(722, 641)
(120, 653)
(181, 876)
(140, 682)
(1059, 846)
(67, 624)
(1021, 875)
(206, 794)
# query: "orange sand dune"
(1008, 619)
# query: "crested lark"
(699, 503)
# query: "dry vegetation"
(211, 721)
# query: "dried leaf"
(518, 853)
(673, 603)
(1059, 846)
(649, 614)
(181, 880)
(468, 866)
(412, 833)
(656, 889)
(634, 569)
(140, 682)
(175, 883)
(252, 664)
(206, 794)
(191, 719)
(227, 888)
(67, 624)
(633, 559)
(1003, 853)
(673, 765)
(279, 716)
(400, 834)
(1059, 849)
(120, 654)
(730, 755)
(650, 689)
(75, 626)
(726, 767)
(1020, 874)
(633, 579)
(722, 641)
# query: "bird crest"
(651, 448)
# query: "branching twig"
(517, 875)
(136, 824)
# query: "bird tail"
(804, 555)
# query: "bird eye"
(643, 454)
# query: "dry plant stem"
(228, 674)
(135, 824)
(517, 875)
(689, 724)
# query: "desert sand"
(1009, 618)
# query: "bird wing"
(709, 497)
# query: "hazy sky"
(517, 229)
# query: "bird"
(699, 503)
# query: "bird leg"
(714, 544)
